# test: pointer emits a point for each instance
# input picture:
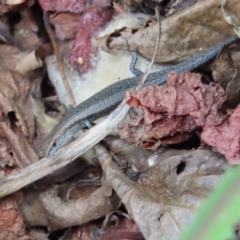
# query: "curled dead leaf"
(70, 6)
(59, 214)
(15, 153)
(16, 105)
(129, 152)
(38, 234)
(66, 25)
(225, 137)
(173, 111)
(15, 2)
(181, 33)
(227, 74)
(11, 220)
(15, 91)
(171, 189)
(34, 59)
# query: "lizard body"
(108, 99)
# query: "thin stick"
(59, 59)
(155, 52)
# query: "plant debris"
(181, 106)
(177, 139)
(225, 137)
(203, 20)
(171, 188)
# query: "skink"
(108, 99)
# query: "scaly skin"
(108, 99)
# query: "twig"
(155, 51)
(64, 156)
(58, 56)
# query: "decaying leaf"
(34, 59)
(38, 234)
(16, 106)
(11, 221)
(184, 97)
(130, 153)
(181, 33)
(6, 36)
(171, 189)
(44, 124)
(15, 2)
(91, 22)
(14, 149)
(127, 5)
(72, 6)
(122, 229)
(21, 6)
(171, 183)
(66, 25)
(225, 137)
(58, 214)
(173, 7)
(15, 90)
(61, 174)
(227, 74)
(172, 111)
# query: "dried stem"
(58, 56)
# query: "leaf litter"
(174, 188)
(159, 186)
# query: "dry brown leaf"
(66, 25)
(173, 111)
(72, 6)
(137, 156)
(38, 234)
(82, 185)
(188, 32)
(184, 94)
(162, 132)
(91, 21)
(130, 153)
(15, 2)
(22, 153)
(174, 188)
(16, 105)
(62, 174)
(225, 137)
(34, 59)
(75, 212)
(123, 229)
(44, 124)
(11, 221)
(175, 6)
(15, 90)
(126, 5)
(25, 30)
(51, 211)
(7, 37)
(227, 74)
